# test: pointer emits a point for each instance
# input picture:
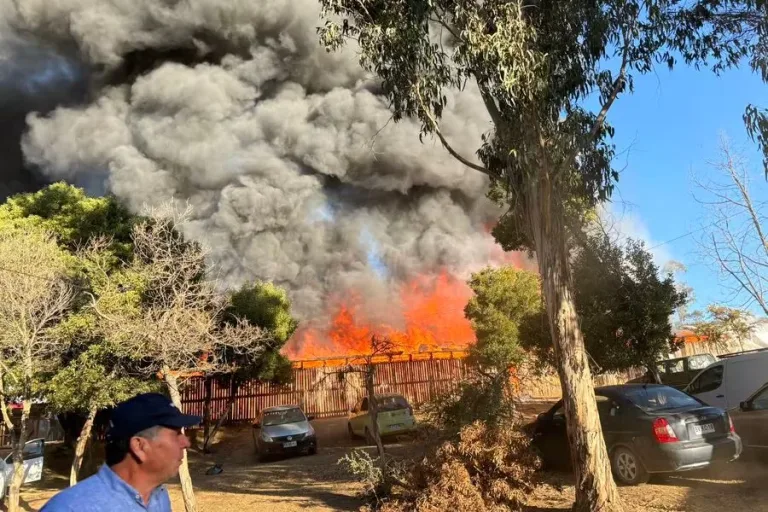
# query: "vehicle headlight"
(265, 437)
(311, 431)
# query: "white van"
(726, 383)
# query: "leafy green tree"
(90, 377)
(506, 309)
(506, 301)
(72, 216)
(265, 305)
(538, 67)
(95, 380)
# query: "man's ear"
(138, 447)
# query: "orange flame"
(433, 311)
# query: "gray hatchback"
(284, 430)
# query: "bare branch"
(446, 145)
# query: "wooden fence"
(324, 391)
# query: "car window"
(392, 403)
(700, 362)
(760, 402)
(282, 417)
(676, 366)
(661, 368)
(364, 405)
(659, 398)
(708, 380)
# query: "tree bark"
(595, 488)
(373, 408)
(17, 480)
(82, 443)
(187, 489)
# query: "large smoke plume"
(288, 156)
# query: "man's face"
(161, 455)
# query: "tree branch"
(446, 145)
(618, 84)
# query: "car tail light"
(730, 425)
(663, 432)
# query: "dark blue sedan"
(648, 428)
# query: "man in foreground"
(145, 447)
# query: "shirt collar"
(117, 484)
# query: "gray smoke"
(288, 156)
(34, 77)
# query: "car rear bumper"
(306, 445)
(686, 456)
(406, 426)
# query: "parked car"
(751, 421)
(648, 428)
(731, 380)
(678, 372)
(34, 458)
(284, 430)
(395, 417)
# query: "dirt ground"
(317, 483)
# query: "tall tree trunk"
(373, 407)
(595, 489)
(234, 388)
(18, 459)
(187, 490)
(82, 442)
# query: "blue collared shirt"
(105, 491)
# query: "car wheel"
(627, 467)
(313, 450)
(351, 432)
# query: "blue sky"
(670, 128)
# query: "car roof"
(619, 388)
(278, 408)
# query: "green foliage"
(93, 379)
(624, 304)
(506, 301)
(71, 215)
(265, 305)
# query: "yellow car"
(395, 417)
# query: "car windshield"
(391, 403)
(281, 417)
(652, 399)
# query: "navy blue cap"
(146, 411)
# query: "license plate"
(708, 428)
(289, 444)
(396, 426)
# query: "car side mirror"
(256, 424)
(745, 406)
(310, 418)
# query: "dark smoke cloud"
(285, 152)
(34, 77)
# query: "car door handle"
(719, 396)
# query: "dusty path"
(317, 483)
